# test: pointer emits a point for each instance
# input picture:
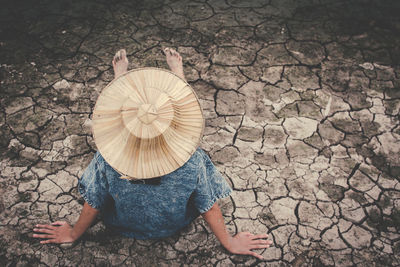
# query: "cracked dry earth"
(302, 104)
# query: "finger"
(260, 242)
(59, 223)
(47, 236)
(259, 246)
(46, 226)
(43, 230)
(260, 236)
(252, 253)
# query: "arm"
(242, 243)
(62, 232)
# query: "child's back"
(153, 208)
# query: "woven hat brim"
(165, 144)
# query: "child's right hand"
(57, 232)
(243, 243)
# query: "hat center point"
(147, 113)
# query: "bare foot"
(120, 63)
(174, 61)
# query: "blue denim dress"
(153, 210)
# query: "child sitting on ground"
(157, 207)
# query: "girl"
(153, 208)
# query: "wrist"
(74, 235)
(227, 242)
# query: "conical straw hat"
(147, 123)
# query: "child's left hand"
(57, 232)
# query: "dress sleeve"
(93, 185)
(211, 186)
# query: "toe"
(167, 51)
(122, 53)
(174, 53)
(117, 56)
(177, 55)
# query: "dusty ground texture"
(302, 104)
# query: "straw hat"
(147, 123)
